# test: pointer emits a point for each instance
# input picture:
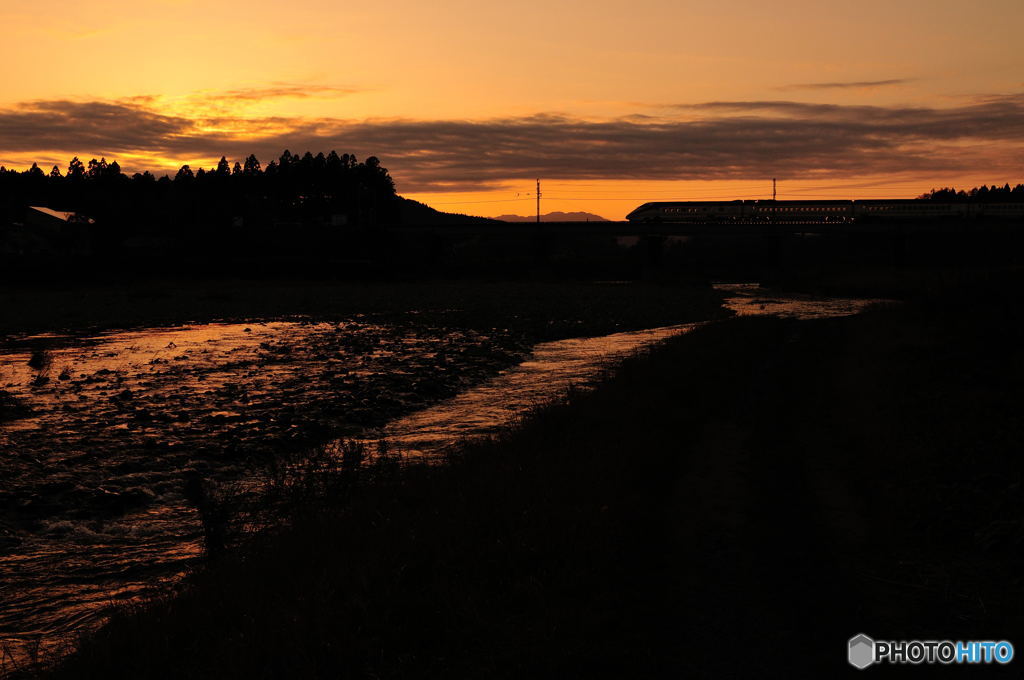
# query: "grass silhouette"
(758, 482)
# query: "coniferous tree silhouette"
(76, 170)
(981, 194)
(293, 190)
(252, 166)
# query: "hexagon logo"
(861, 651)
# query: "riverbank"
(756, 485)
(99, 428)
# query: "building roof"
(68, 217)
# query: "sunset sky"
(609, 102)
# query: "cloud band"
(713, 140)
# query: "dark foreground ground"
(738, 503)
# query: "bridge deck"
(728, 229)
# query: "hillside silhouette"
(333, 190)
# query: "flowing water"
(553, 367)
(94, 456)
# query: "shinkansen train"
(815, 212)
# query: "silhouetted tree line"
(307, 189)
(982, 194)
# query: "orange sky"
(465, 102)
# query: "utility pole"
(773, 188)
(538, 201)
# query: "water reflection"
(546, 375)
(59, 575)
(91, 463)
(750, 299)
(554, 367)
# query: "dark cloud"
(714, 140)
(99, 127)
(855, 85)
(993, 118)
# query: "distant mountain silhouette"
(554, 217)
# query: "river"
(94, 514)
